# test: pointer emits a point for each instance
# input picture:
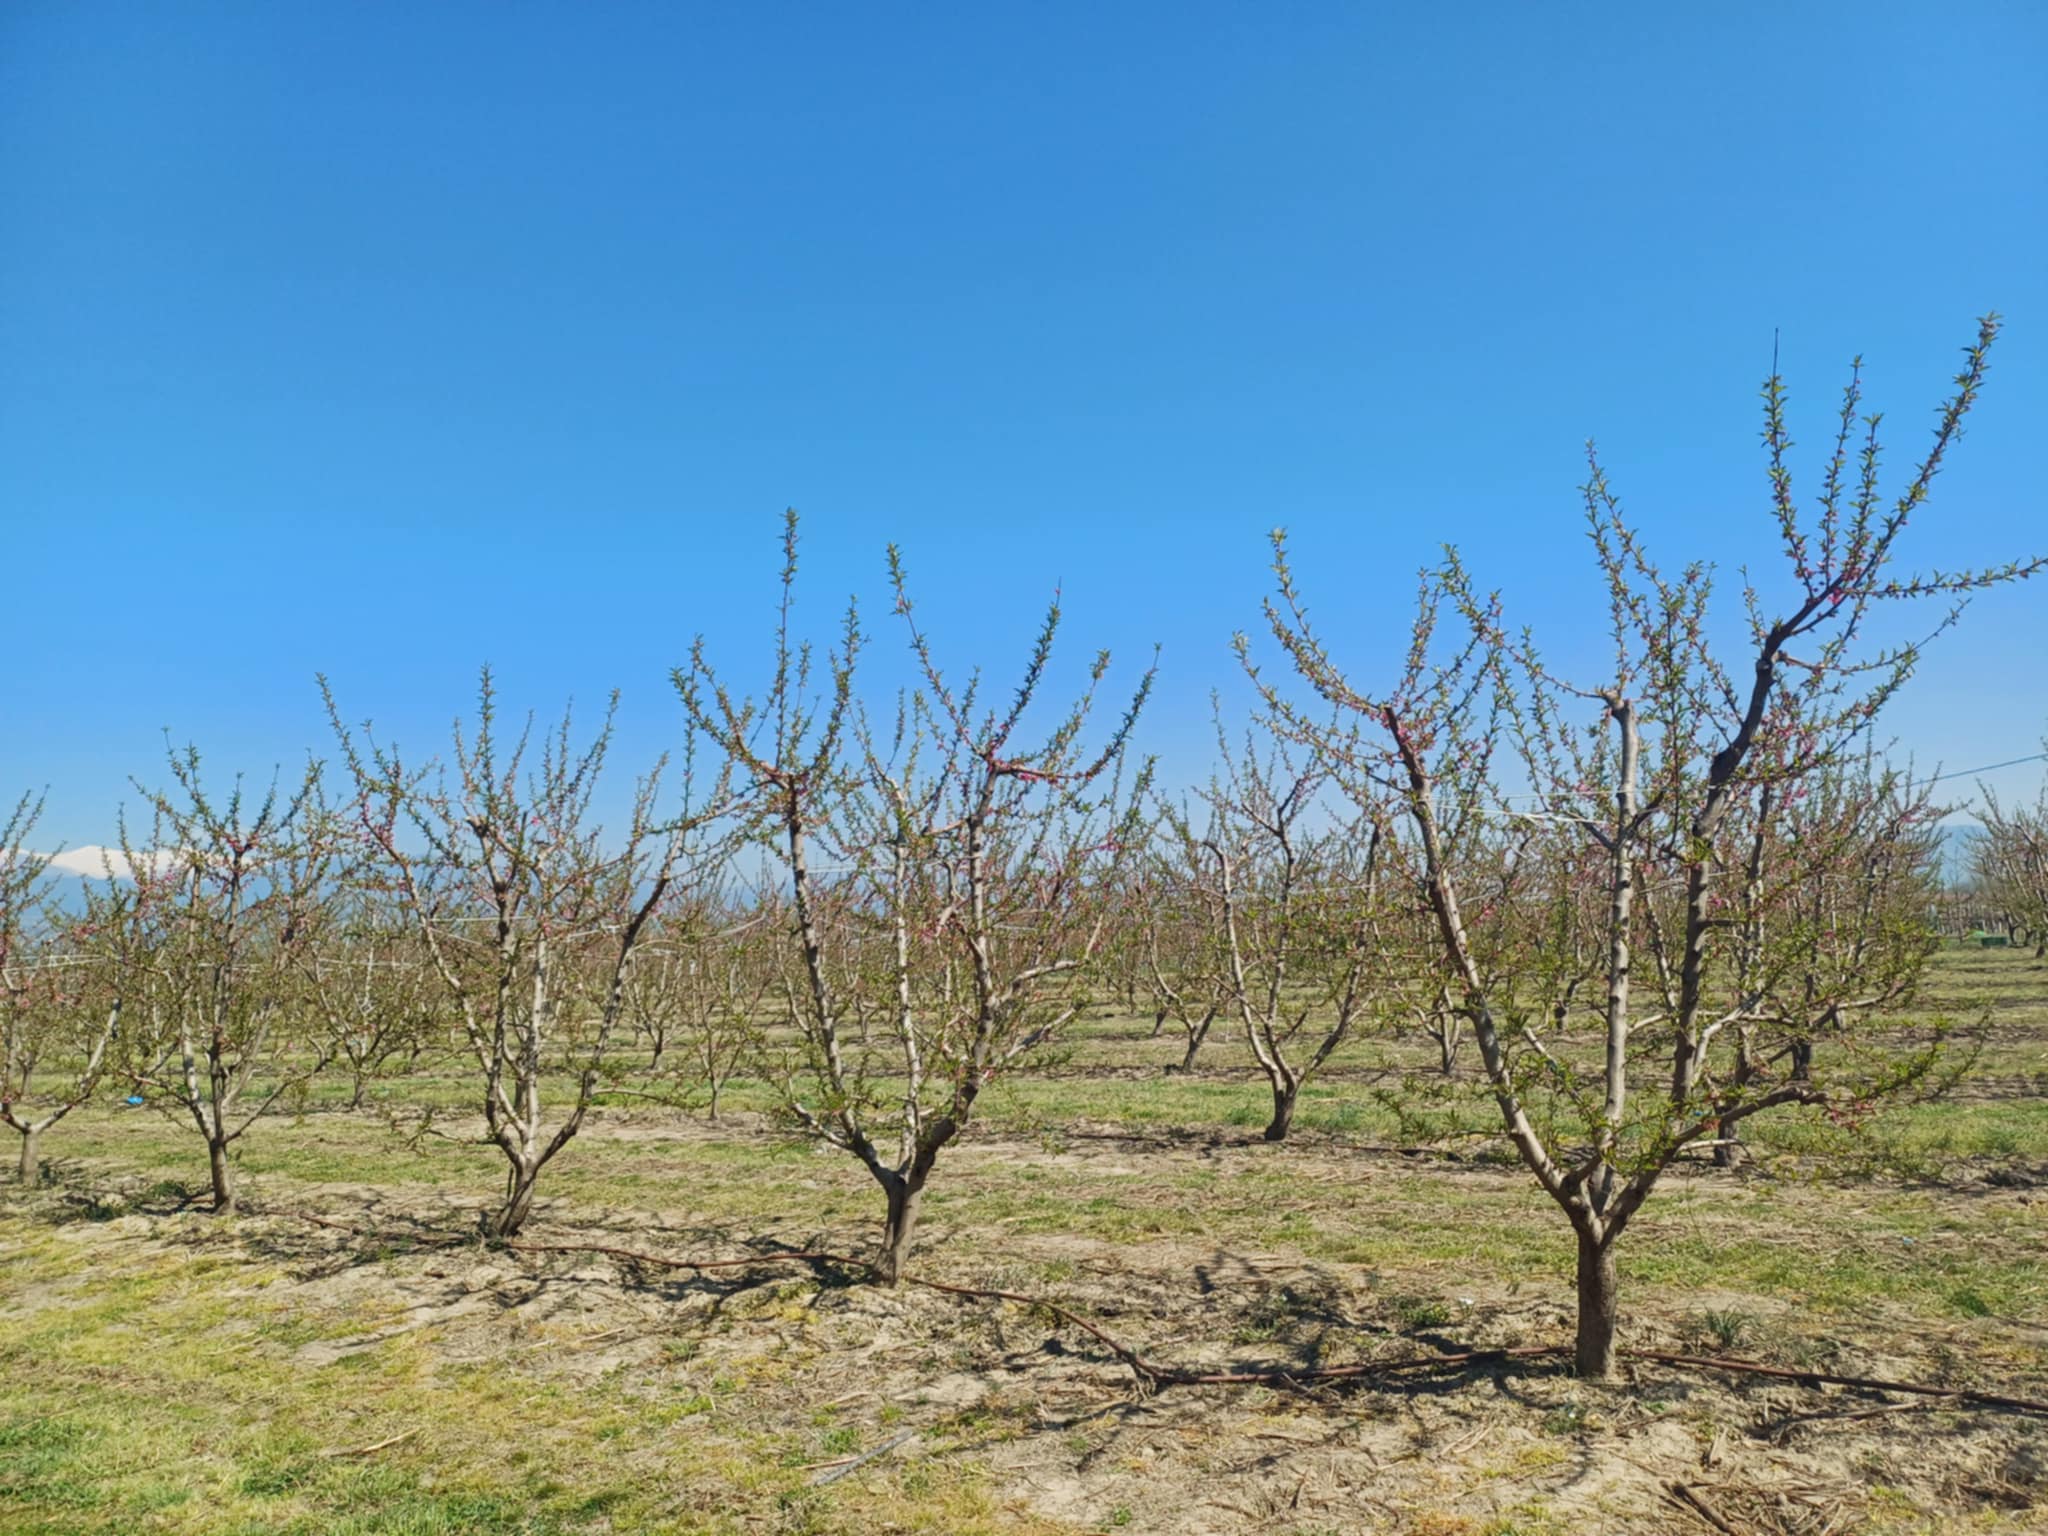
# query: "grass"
(167, 1392)
(161, 1371)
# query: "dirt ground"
(1064, 1436)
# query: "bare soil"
(1068, 1436)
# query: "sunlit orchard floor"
(165, 1370)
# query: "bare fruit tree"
(700, 988)
(530, 915)
(1825, 942)
(1293, 907)
(1436, 1016)
(236, 891)
(25, 988)
(2010, 862)
(64, 998)
(1167, 923)
(60, 998)
(373, 985)
(948, 886)
(654, 995)
(1637, 785)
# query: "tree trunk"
(507, 1220)
(1593, 1353)
(31, 1157)
(1447, 1053)
(1195, 1038)
(1728, 1148)
(1284, 1097)
(223, 1178)
(900, 1227)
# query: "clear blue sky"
(383, 340)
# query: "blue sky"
(385, 340)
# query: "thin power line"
(2011, 762)
(1958, 773)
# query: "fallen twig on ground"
(1152, 1374)
(370, 1450)
(660, 1262)
(1685, 1498)
(855, 1463)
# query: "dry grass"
(161, 1370)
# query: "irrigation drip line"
(1154, 1374)
(1860, 1383)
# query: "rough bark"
(31, 1168)
(223, 1175)
(1284, 1100)
(1593, 1350)
(899, 1228)
(511, 1217)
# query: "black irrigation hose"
(1152, 1374)
(1156, 1374)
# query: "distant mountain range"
(93, 862)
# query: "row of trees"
(1653, 906)
(2009, 868)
